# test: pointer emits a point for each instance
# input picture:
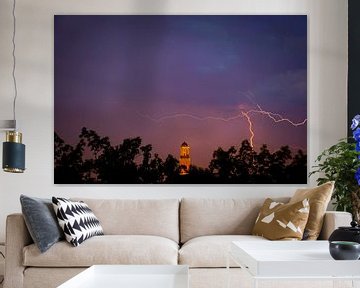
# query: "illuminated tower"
(184, 158)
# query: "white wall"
(326, 93)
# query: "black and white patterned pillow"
(77, 220)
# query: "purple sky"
(170, 79)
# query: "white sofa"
(194, 232)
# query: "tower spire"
(184, 159)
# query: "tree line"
(95, 160)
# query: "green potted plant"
(341, 163)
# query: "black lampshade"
(13, 153)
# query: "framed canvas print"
(175, 99)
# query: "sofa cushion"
(319, 198)
(159, 217)
(211, 251)
(77, 220)
(200, 217)
(41, 221)
(107, 249)
(279, 221)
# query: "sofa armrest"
(333, 220)
(17, 237)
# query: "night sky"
(170, 79)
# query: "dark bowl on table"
(344, 250)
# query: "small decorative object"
(344, 250)
(344, 233)
(341, 163)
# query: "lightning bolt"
(252, 134)
(275, 117)
(177, 115)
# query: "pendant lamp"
(13, 160)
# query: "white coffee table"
(297, 260)
(131, 276)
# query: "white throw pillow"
(77, 220)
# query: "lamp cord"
(14, 59)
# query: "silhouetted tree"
(95, 160)
(224, 164)
(92, 140)
(297, 167)
(117, 164)
(198, 175)
(68, 162)
(264, 162)
(145, 168)
(171, 169)
(157, 170)
(246, 163)
(97, 146)
(280, 159)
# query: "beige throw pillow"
(319, 198)
(279, 221)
